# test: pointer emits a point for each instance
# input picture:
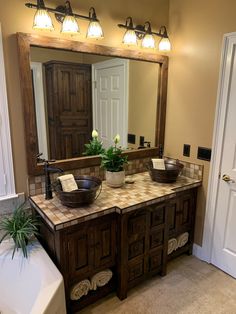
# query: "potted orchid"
(94, 147)
(113, 162)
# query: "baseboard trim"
(198, 252)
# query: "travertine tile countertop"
(141, 193)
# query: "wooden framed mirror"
(25, 44)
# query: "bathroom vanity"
(126, 230)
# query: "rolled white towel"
(68, 183)
(182, 239)
(101, 279)
(172, 245)
(80, 289)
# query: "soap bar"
(158, 164)
(68, 183)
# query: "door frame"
(112, 63)
(37, 68)
(229, 41)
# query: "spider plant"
(21, 226)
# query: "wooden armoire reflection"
(69, 108)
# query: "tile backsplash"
(36, 184)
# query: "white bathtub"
(29, 286)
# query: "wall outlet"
(131, 138)
(204, 153)
(186, 150)
(141, 141)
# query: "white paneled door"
(110, 100)
(224, 236)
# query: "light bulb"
(42, 20)
(70, 25)
(148, 41)
(164, 44)
(94, 30)
(130, 38)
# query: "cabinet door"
(80, 252)
(186, 214)
(173, 213)
(105, 243)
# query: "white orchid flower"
(94, 134)
(117, 139)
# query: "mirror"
(76, 92)
(94, 56)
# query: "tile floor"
(190, 286)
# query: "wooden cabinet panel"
(155, 260)
(186, 213)
(105, 246)
(158, 215)
(80, 254)
(136, 248)
(181, 219)
(156, 238)
(69, 108)
(135, 270)
(137, 224)
(173, 212)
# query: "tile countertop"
(141, 193)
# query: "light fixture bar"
(140, 29)
(62, 12)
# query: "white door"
(110, 100)
(224, 236)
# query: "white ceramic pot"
(115, 179)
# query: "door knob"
(227, 178)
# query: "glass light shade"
(164, 44)
(94, 30)
(130, 38)
(42, 20)
(148, 41)
(70, 25)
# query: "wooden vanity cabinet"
(143, 245)
(133, 245)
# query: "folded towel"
(101, 279)
(68, 183)
(80, 289)
(172, 245)
(182, 239)
(158, 164)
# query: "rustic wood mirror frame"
(27, 40)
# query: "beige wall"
(196, 30)
(143, 83)
(15, 17)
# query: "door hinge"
(95, 84)
(4, 179)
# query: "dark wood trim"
(27, 40)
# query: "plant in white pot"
(113, 162)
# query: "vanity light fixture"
(148, 40)
(94, 28)
(42, 19)
(69, 23)
(65, 15)
(145, 33)
(130, 37)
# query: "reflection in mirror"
(75, 93)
